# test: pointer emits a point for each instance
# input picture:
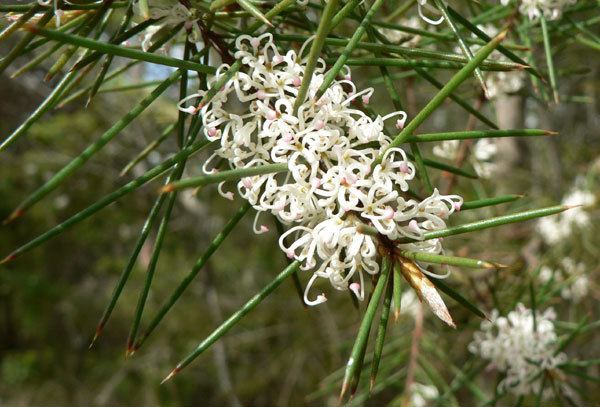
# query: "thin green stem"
(222, 176)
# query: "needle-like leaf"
(210, 250)
(112, 49)
(354, 365)
(230, 175)
(492, 222)
(93, 148)
(235, 318)
(341, 60)
(437, 100)
(108, 199)
(315, 51)
(380, 339)
(461, 42)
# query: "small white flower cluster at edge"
(483, 153)
(571, 275)
(535, 9)
(556, 229)
(330, 147)
(520, 346)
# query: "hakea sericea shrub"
(334, 183)
(296, 136)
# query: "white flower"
(172, 13)
(549, 9)
(422, 395)
(483, 152)
(557, 228)
(521, 347)
(330, 147)
(571, 275)
(422, 4)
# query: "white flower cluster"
(521, 347)
(555, 229)
(422, 395)
(549, 9)
(171, 13)
(481, 158)
(572, 275)
(330, 147)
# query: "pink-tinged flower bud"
(389, 213)
(255, 42)
(271, 115)
(212, 132)
(413, 225)
(264, 229)
(320, 299)
(400, 123)
(457, 206)
(247, 182)
(279, 206)
(355, 288)
(296, 81)
(287, 137)
(290, 254)
(188, 25)
(348, 77)
(277, 59)
(319, 124)
(404, 168)
(366, 99)
(189, 109)
(315, 182)
(228, 195)
(261, 94)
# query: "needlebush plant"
(367, 141)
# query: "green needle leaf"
(397, 294)
(108, 199)
(315, 51)
(92, 149)
(235, 318)
(339, 63)
(46, 105)
(380, 339)
(17, 49)
(506, 52)
(252, 9)
(480, 203)
(225, 176)
(437, 100)
(112, 49)
(461, 42)
(149, 148)
(457, 297)
(354, 364)
(14, 26)
(212, 248)
(492, 222)
(549, 60)
(479, 134)
(144, 232)
(449, 260)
